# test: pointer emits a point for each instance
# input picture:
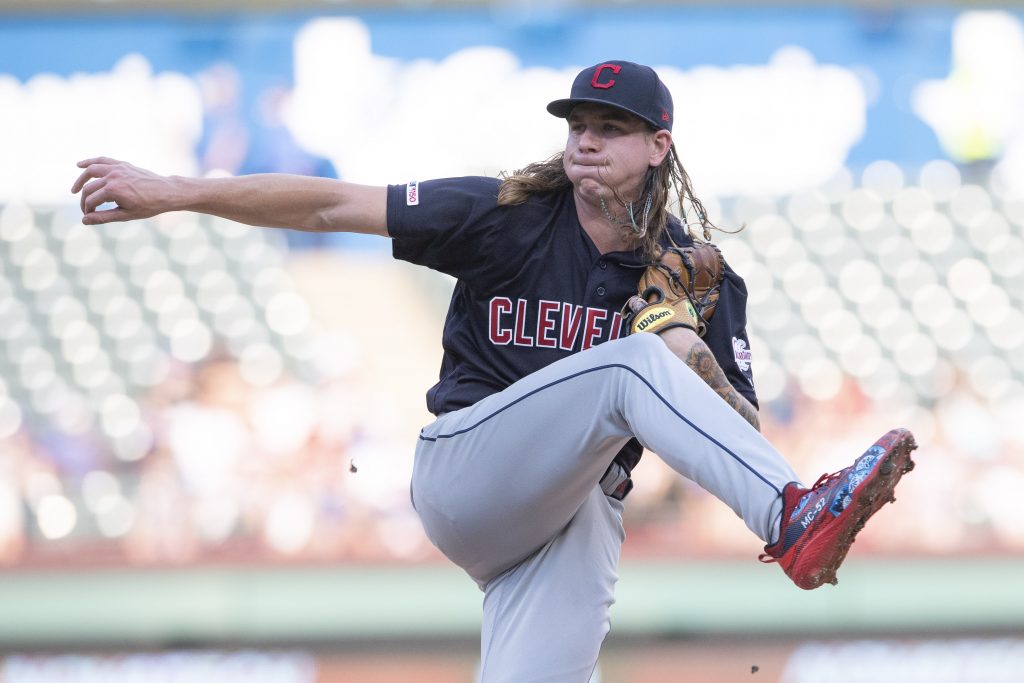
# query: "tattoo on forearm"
(701, 361)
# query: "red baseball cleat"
(819, 524)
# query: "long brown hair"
(668, 184)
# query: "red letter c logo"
(615, 68)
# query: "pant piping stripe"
(630, 370)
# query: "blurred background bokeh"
(206, 432)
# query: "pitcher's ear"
(661, 144)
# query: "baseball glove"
(680, 289)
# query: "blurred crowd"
(273, 470)
(155, 409)
(233, 473)
(310, 473)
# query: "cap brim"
(562, 108)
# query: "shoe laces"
(826, 479)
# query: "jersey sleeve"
(727, 335)
(449, 225)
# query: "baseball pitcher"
(586, 325)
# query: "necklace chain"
(636, 230)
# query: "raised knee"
(641, 352)
(644, 343)
(636, 350)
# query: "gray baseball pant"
(508, 489)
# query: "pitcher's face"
(608, 151)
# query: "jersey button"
(602, 264)
(601, 291)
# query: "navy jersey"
(531, 287)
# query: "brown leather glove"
(679, 290)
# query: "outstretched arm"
(268, 200)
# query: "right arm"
(689, 348)
(270, 200)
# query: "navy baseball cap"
(625, 85)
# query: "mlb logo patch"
(412, 193)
